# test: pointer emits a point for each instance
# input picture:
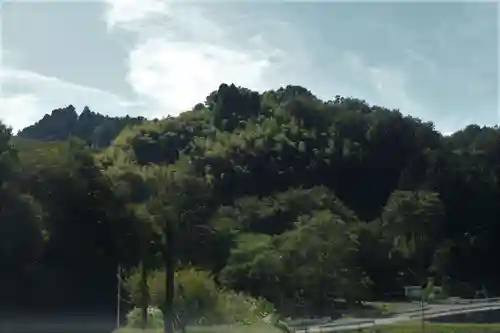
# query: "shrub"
(199, 301)
(239, 308)
(155, 318)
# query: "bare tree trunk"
(144, 295)
(118, 295)
(169, 256)
(143, 273)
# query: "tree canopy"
(278, 194)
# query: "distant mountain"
(94, 128)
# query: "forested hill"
(278, 194)
(91, 127)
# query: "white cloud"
(183, 53)
(16, 110)
(27, 96)
(184, 50)
(126, 12)
(177, 75)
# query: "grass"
(257, 328)
(415, 327)
(411, 327)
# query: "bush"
(239, 308)
(198, 300)
(257, 328)
(155, 318)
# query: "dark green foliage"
(93, 128)
(279, 194)
(62, 230)
(231, 106)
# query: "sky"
(436, 61)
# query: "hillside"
(280, 195)
(91, 127)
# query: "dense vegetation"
(93, 128)
(279, 195)
(402, 328)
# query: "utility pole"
(423, 294)
(422, 314)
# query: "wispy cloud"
(433, 61)
(19, 110)
(394, 87)
(420, 60)
(183, 53)
(26, 96)
(381, 84)
(127, 13)
(177, 75)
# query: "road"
(432, 311)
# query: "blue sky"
(436, 61)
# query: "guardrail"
(338, 327)
(462, 310)
(477, 300)
(474, 306)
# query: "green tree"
(179, 205)
(414, 221)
